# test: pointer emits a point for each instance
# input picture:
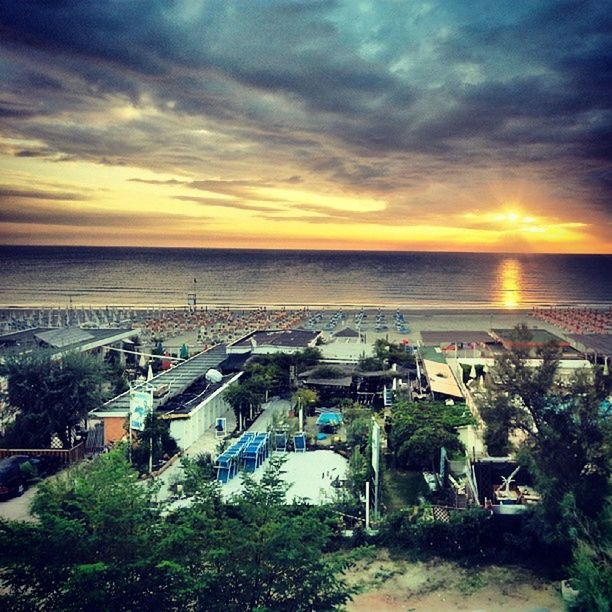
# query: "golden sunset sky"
(441, 125)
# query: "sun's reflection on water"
(509, 281)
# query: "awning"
(441, 379)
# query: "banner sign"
(141, 404)
(375, 447)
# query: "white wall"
(188, 430)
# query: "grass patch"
(471, 582)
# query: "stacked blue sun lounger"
(248, 453)
(256, 452)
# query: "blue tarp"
(329, 418)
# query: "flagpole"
(130, 428)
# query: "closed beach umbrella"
(473, 371)
(184, 352)
(150, 373)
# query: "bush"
(468, 534)
(326, 372)
(358, 433)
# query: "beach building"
(347, 334)
(60, 340)
(539, 338)
(194, 412)
(181, 394)
(265, 342)
(346, 346)
(462, 343)
(442, 382)
(597, 345)
(499, 484)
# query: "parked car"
(18, 471)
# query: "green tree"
(371, 364)
(276, 368)
(268, 376)
(307, 398)
(97, 544)
(50, 396)
(244, 398)
(101, 542)
(391, 352)
(359, 472)
(358, 432)
(327, 372)
(568, 436)
(154, 439)
(271, 557)
(419, 430)
(501, 418)
(567, 440)
(591, 573)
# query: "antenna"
(192, 298)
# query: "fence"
(67, 456)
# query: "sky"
(443, 125)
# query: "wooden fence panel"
(67, 456)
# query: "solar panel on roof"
(65, 336)
(178, 378)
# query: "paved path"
(18, 508)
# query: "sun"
(510, 216)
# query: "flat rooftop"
(437, 338)
(538, 336)
(598, 343)
(183, 403)
(60, 339)
(178, 378)
(289, 337)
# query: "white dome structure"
(214, 376)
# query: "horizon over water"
(150, 276)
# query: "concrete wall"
(346, 352)
(201, 419)
(113, 429)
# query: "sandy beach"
(203, 328)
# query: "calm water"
(45, 276)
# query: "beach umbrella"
(606, 371)
(150, 373)
(142, 362)
(184, 352)
(473, 371)
(482, 382)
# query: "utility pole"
(367, 505)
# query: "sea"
(52, 276)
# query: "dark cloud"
(233, 204)
(32, 153)
(159, 182)
(9, 193)
(375, 97)
(91, 218)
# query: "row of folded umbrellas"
(577, 320)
